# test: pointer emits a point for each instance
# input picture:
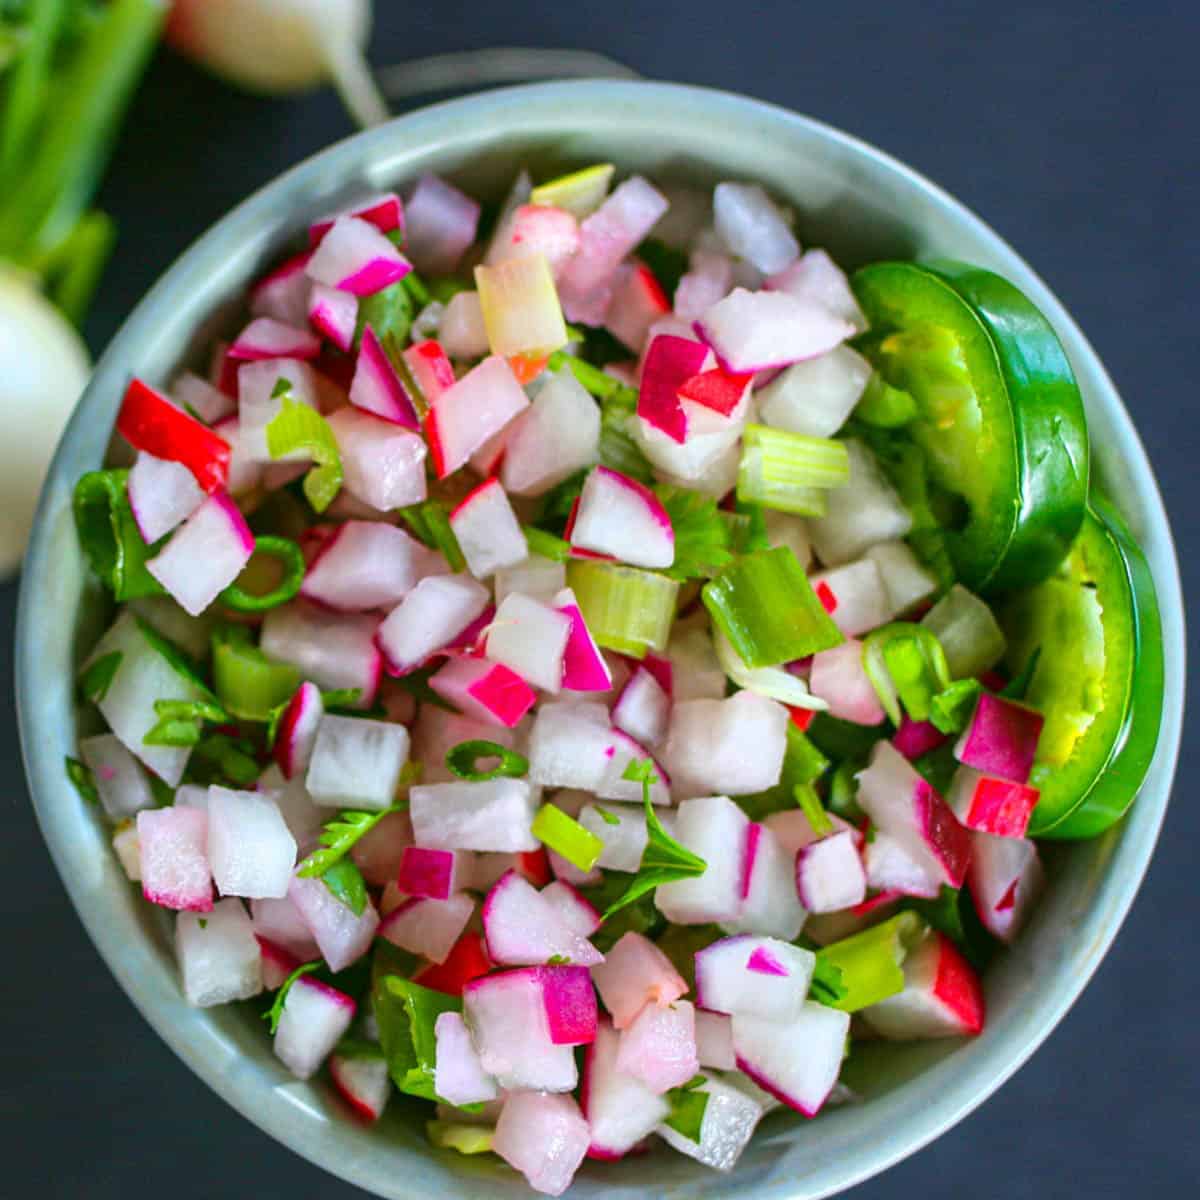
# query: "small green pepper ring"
(289, 554)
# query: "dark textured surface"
(1069, 128)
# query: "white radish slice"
(714, 828)
(364, 1083)
(334, 314)
(488, 532)
(854, 596)
(891, 868)
(428, 927)
(121, 783)
(709, 278)
(530, 639)
(461, 329)
(559, 435)
(637, 302)
(730, 1116)
(537, 577)
(210, 404)
(266, 338)
(544, 1137)
(438, 731)
(355, 257)
(459, 1077)
(342, 937)
(219, 956)
(643, 709)
(577, 913)
(383, 464)
(837, 677)
(363, 565)
(815, 397)
(430, 368)
(377, 388)
(356, 763)
(250, 851)
(752, 331)
(522, 929)
(283, 294)
(861, 513)
(816, 278)
(280, 922)
(173, 858)
(905, 580)
(620, 517)
(659, 1047)
(1005, 878)
(751, 225)
(441, 223)
(714, 1040)
(496, 815)
(314, 1018)
(569, 745)
(463, 417)
(334, 651)
(622, 829)
(385, 212)
(636, 973)
(277, 963)
(429, 618)
(537, 229)
(830, 874)
(162, 493)
(258, 405)
(245, 471)
(757, 976)
(770, 905)
(621, 1110)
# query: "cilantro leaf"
(181, 722)
(222, 757)
(84, 781)
(702, 539)
(272, 1015)
(618, 450)
(346, 883)
(688, 1105)
(407, 1014)
(97, 678)
(338, 837)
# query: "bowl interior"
(861, 206)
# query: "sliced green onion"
(466, 1139)
(872, 962)
(790, 471)
(430, 525)
(463, 760)
(773, 682)
(885, 406)
(97, 676)
(181, 722)
(247, 682)
(580, 193)
(289, 555)
(546, 544)
(764, 604)
(907, 667)
(814, 811)
(843, 791)
(968, 632)
(110, 538)
(298, 427)
(564, 835)
(626, 609)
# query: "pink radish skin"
(488, 532)
(530, 639)
(584, 668)
(363, 565)
(573, 909)
(637, 302)
(266, 338)
(428, 927)
(430, 368)
(385, 212)
(355, 257)
(485, 691)
(315, 1016)
(441, 224)
(342, 937)
(769, 902)
(161, 494)
(383, 463)
(283, 294)
(621, 1110)
(459, 1077)
(830, 874)
(1005, 879)
(659, 1047)
(570, 1001)
(376, 388)
(669, 363)
(636, 973)
(755, 976)
(544, 1137)
(173, 858)
(333, 314)
(297, 731)
(623, 518)
(432, 874)
(522, 929)
(1001, 739)
(495, 815)
(219, 957)
(277, 963)
(472, 410)
(364, 1083)
(333, 651)
(990, 805)
(917, 738)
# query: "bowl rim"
(1137, 836)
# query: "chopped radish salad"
(532, 668)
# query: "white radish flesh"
(495, 815)
(356, 763)
(250, 851)
(218, 955)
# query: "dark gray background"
(1070, 128)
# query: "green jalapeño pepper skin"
(999, 414)
(1098, 678)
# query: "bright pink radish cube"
(758, 976)
(428, 927)
(296, 732)
(916, 738)
(364, 1083)
(342, 937)
(659, 1048)
(219, 957)
(570, 1002)
(1001, 738)
(485, 691)
(990, 804)
(333, 314)
(459, 1077)
(315, 1016)
(636, 973)
(429, 873)
(523, 929)
(620, 1108)
(1005, 879)
(544, 1137)
(173, 845)
(531, 639)
(355, 257)
(830, 874)
(584, 667)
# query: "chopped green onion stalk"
(907, 667)
(546, 544)
(772, 682)
(626, 609)
(430, 525)
(298, 427)
(790, 471)
(247, 682)
(110, 538)
(599, 383)
(580, 193)
(871, 962)
(564, 835)
(466, 1139)
(463, 761)
(764, 604)
(814, 811)
(289, 555)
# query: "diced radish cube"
(250, 851)
(219, 957)
(493, 815)
(770, 904)
(485, 691)
(128, 852)
(1005, 879)
(355, 257)
(377, 388)
(277, 963)
(383, 464)
(714, 1040)
(916, 738)
(830, 875)
(522, 929)
(364, 1083)
(620, 517)
(199, 396)
(637, 302)
(258, 405)
(173, 846)
(265, 337)
(861, 513)
(471, 411)
(334, 314)
(1001, 739)
(942, 996)
(817, 278)
(342, 937)
(314, 1018)
(714, 828)
(440, 223)
(123, 787)
(430, 368)
(815, 397)
(361, 566)
(621, 1110)
(429, 618)
(569, 745)
(540, 229)
(333, 651)
(730, 1116)
(753, 227)
(428, 927)
(991, 805)
(283, 293)
(280, 922)
(557, 436)
(487, 530)
(245, 473)
(459, 1078)
(793, 831)
(755, 976)
(537, 577)
(162, 493)
(434, 874)
(377, 853)
(837, 677)
(854, 596)
(891, 868)
(297, 730)
(636, 973)
(622, 829)
(623, 750)
(506, 1014)
(797, 1061)
(696, 671)
(577, 913)
(461, 331)
(905, 580)
(659, 1046)
(570, 1001)
(531, 639)
(356, 763)
(385, 212)
(544, 1137)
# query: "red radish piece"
(753, 228)
(669, 363)
(355, 257)
(558, 436)
(377, 854)
(1001, 738)
(797, 1061)
(485, 691)
(577, 913)
(266, 338)
(714, 828)
(277, 963)
(342, 937)
(377, 388)
(161, 493)
(297, 730)
(496, 814)
(539, 229)
(435, 612)
(623, 518)
(283, 294)
(173, 849)
(904, 806)
(544, 1137)
(441, 223)
(1005, 879)
(917, 738)
(817, 279)
(637, 302)
(487, 529)
(838, 678)
(459, 1078)
(522, 929)
(733, 1109)
(430, 369)
(942, 996)
(891, 868)
(621, 1110)
(332, 650)
(530, 639)
(857, 599)
(570, 1003)
(905, 580)
(830, 874)
(149, 421)
(199, 396)
(432, 874)
(356, 763)
(470, 412)
(506, 1013)
(622, 829)
(709, 278)
(385, 212)
(122, 785)
(364, 1083)
(363, 565)
(584, 668)
(714, 1040)
(461, 329)
(636, 973)
(467, 960)
(280, 923)
(427, 927)
(383, 463)
(659, 1047)
(716, 389)
(251, 853)
(733, 746)
(751, 331)
(991, 805)
(755, 976)
(314, 1018)
(643, 708)
(218, 955)
(770, 905)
